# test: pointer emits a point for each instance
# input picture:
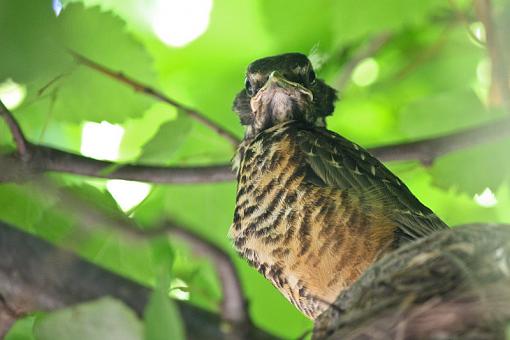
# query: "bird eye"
(248, 87)
(311, 77)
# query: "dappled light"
(148, 164)
(178, 23)
(12, 94)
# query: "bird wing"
(340, 163)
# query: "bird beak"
(276, 78)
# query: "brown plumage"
(313, 210)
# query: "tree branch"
(427, 150)
(16, 132)
(149, 91)
(37, 276)
(45, 159)
(89, 217)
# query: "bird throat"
(277, 105)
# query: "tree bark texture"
(35, 276)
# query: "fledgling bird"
(313, 209)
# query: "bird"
(313, 209)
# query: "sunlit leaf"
(22, 329)
(170, 136)
(474, 169)
(162, 318)
(455, 110)
(83, 94)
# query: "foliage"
(106, 318)
(431, 79)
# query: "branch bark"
(36, 159)
(90, 217)
(45, 159)
(427, 150)
(35, 276)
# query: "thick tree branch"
(89, 216)
(142, 88)
(427, 150)
(36, 276)
(39, 159)
(46, 159)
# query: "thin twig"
(142, 88)
(49, 116)
(17, 133)
(370, 49)
(53, 81)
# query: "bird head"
(282, 88)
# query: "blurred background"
(405, 70)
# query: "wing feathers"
(342, 164)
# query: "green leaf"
(431, 61)
(139, 131)
(22, 329)
(355, 19)
(97, 198)
(455, 110)
(162, 255)
(22, 205)
(169, 138)
(80, 92)
(474, 169)
(280, 19)
(162, 318)
(29, 51)
(105, 318)
(87, 94)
